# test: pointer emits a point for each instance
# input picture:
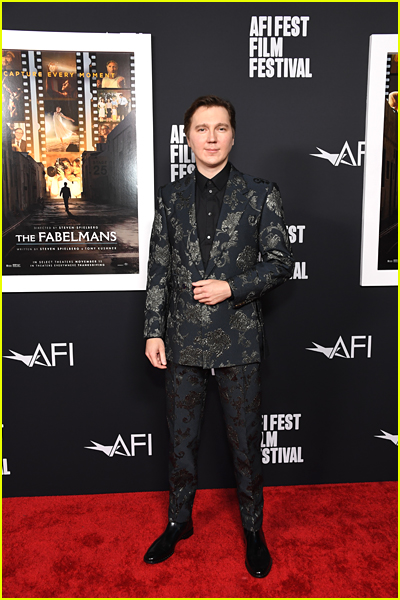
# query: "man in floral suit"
(219, 242)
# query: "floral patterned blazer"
(250, 250)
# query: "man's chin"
(212, 162)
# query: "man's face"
(104, 131)
(211, 138)
(112, 68)
(18, 134)
(7, 59)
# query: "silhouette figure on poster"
(66, 194)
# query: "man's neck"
(210, 172)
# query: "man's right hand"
(155, 352)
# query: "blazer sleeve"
(158, 277)
(275, 263)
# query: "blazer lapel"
(186, 205)
(233, 206)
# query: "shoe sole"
(156, 562)
(259, 576)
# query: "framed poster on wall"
(78, 180)
(379, 249)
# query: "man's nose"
(211, 136)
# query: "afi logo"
(345, 153)
(391, 437)
(39, 357)
(122, 449)
(340, 349)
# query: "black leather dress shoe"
(258, 558)
(164, 546)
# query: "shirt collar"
(219, 180)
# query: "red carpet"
(329, 541)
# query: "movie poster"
(388, 229)
(76, 120)
(379, 257)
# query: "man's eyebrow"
(207, 125)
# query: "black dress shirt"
(209, 197)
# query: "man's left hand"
(211, 291)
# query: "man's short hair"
(208, 101)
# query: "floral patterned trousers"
(240, 393)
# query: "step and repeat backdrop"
(83, 410)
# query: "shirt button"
(209, 237)
(209, 214)
(210, 191)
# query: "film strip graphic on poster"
(109, 107)
(389, 62)
(17, 101)
(69, 143)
